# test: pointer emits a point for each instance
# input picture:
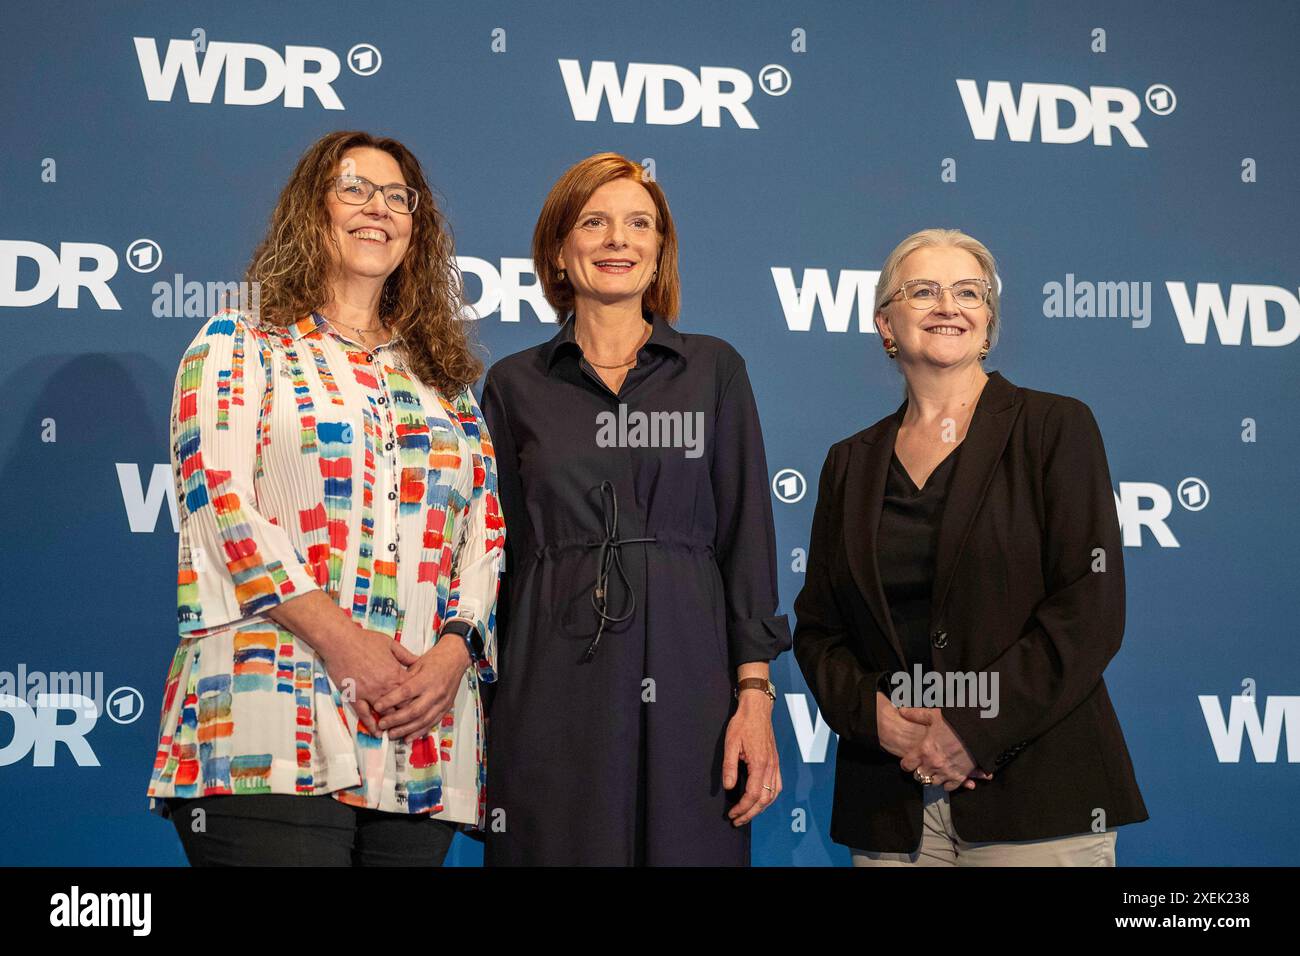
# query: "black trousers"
(284, 830)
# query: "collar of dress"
(662, 335)
(310, 323)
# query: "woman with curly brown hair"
(340, 539)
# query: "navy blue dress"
(641, 571)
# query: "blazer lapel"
(868, 470)
(987, 436)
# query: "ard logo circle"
(124, 705)
(1193, 494)
(788, 485)
(144, 255)
(1161, 99)
(364, 59)
(774, 80)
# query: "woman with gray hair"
(964, 593)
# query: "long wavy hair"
(423, 298)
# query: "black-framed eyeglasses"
(925, 293)
(357, 190)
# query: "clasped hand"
(923, 740)
(394, 690)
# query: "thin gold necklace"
(627, 364)
(619, 365)
(354, 328)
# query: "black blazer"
(1019, 589)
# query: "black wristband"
(469, 634)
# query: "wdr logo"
(1101, 111)
(715, 90)
(291, 75)
(1244, 301)
(1145, 504)
(504, 289)
(835, 301)
(1243, 717)
(836, 295)
(34, 702)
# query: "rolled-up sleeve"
(745, 545)
(477, 564)
(233, 562)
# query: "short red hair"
(560, 214)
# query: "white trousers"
(941, 846)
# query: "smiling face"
(945, 334)
(612, 251)
(372, 239)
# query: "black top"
(908, 540)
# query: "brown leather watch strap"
(756, 683)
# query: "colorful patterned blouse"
(304, 461)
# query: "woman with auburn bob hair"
(970, 536)
(340, 539)
(640, 607)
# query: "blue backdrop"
(1131, 165)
